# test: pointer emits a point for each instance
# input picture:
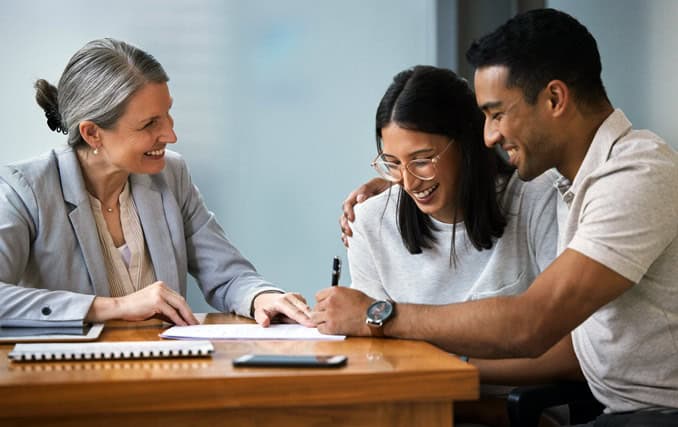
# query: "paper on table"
(247, 332)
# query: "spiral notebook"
(110, 350)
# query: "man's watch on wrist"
(378, 313)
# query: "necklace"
(109, 210)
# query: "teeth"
(425, 193)
(512, 152)
(155, 152)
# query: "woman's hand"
(370, 188)
(156, 300)
(342, 311)
(288, 308)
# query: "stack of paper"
(248, 332)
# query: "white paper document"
(248, 332)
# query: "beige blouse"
(129, 267)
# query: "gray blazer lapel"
(149, 204)
(82, 220)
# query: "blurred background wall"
(274, 100)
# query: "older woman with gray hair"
(109, 227)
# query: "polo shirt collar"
(610, 131)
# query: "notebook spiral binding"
(36, 352)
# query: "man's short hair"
(540, 46)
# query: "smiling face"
(136, 144)
(437, 196)
(521, 129)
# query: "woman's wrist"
(102, 309)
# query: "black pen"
(336, 271)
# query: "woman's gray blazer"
(51, 261)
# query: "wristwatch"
(378, 314)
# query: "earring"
(95, 151)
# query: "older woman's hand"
(289, 307)
(154, 301)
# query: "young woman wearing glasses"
(457, 225)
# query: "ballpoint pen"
(336, 271)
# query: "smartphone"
(291, 360)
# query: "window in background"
(273, 101)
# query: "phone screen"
(291, 360)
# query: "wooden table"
(386, 383)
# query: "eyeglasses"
(424, 169)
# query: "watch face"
(380, 311)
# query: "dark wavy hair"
(437, 101)
(543, 45)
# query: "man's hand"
(370, 188)
(288, 307)
(341, 311)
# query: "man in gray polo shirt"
(614, 285)
(538, 81)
